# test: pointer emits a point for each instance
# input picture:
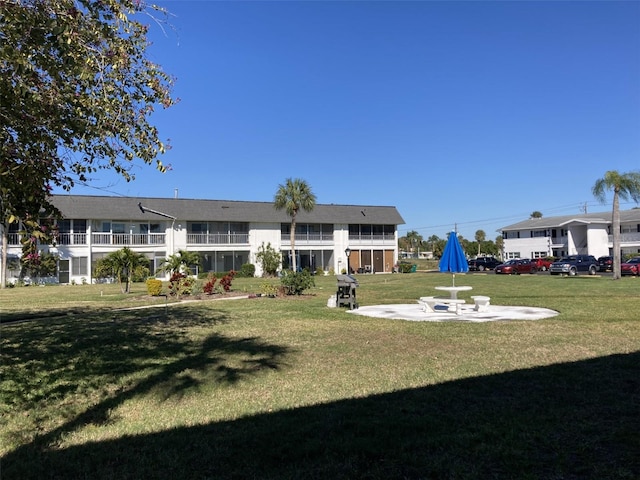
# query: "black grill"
(346, 294)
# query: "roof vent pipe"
(175, 193)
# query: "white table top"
(454, 289)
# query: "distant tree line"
(414, 243)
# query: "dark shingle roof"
(126, 208)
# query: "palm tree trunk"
(616, 236)
(3, 265)
(293, 243)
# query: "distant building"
(226, 234)
(588, 234)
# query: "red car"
(630, 267)
(542, 264)
(516, 267)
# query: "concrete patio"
(415, 313)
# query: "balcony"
(217, 238)
(373, 239)
(308, 238)
(630, 238)
(128, 239)
(13, 239)
(71, 239)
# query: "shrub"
(269, 258)
(247, 270)
(297, 282)
(154, 287)
(225, 281)
(405, 267)
(180, 284)
(319, 271)
(268, 289)
(210, 285)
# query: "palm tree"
(122, 264)
(480, 237)
(624, 185)
(180, 262)
(294, 195)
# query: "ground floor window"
(79, 266)
(313, 260)
(223, 261)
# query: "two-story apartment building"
(226, 234)
(588, 234)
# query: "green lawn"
(287, 388)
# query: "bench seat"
(481, 303)
(452, 304)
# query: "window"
(538, 233)
(535, 255)
(197, 227)
(118, 228)
(79, 266)
(64, 226)
(80, 226)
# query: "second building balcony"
(217, 238)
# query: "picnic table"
(453, 291)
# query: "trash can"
(346, 294)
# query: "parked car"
(483, 263)
(542, 264)
(630, 267)
(574, 264)
(605, 264)
(516, 266)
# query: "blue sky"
(472, 114)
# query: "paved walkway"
(414, 312)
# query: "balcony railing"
(308, 238)
(13, 239)
(128, 238)
(627, 238)
(71, 239)
(217, 238)
(373, 238)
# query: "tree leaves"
(76, 94)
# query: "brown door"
(354, 261)
(378, 261)
(365, 258)
(388, 260)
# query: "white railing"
(217, 238)
(128, 238)
(387, 238)
(308, 238)
(627, 237)
(71, 239)
(13, 239)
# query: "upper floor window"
(369, 230)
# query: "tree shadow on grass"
(107, 359)
(577, 420)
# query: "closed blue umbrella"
(453, 258)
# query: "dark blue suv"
(573, 264)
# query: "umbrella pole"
(454, 279)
